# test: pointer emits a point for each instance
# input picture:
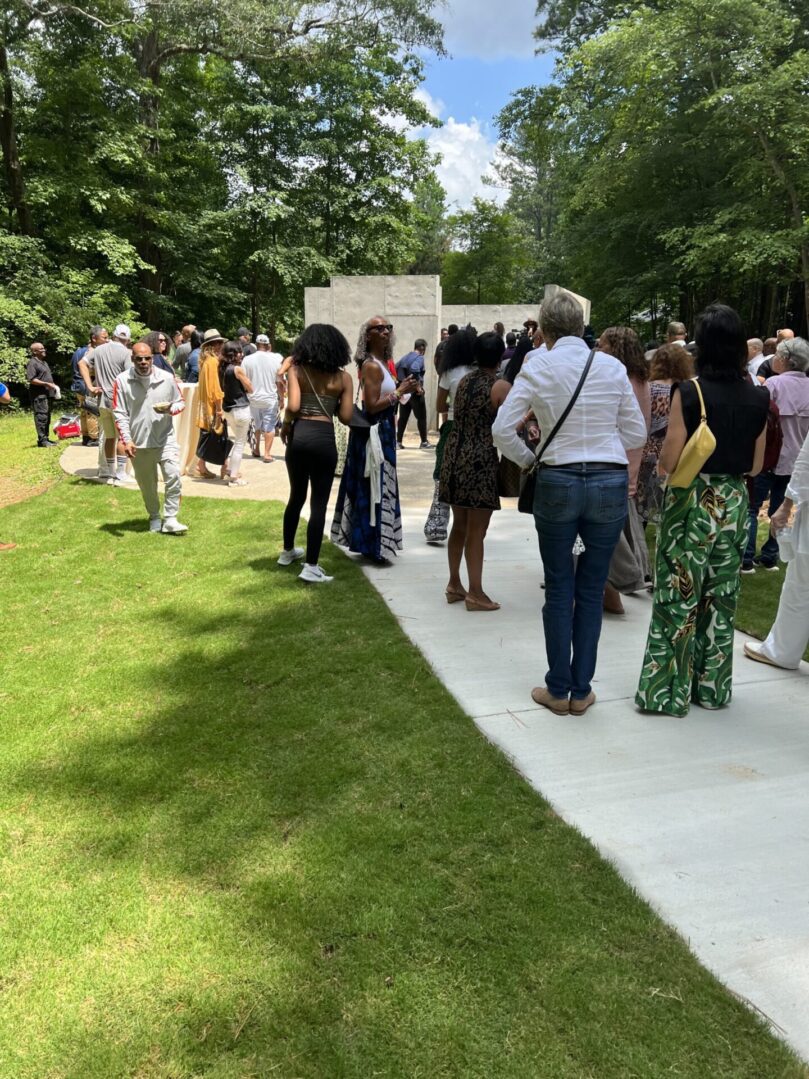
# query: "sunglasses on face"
(379, 329)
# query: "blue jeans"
(764, 484)
(592, 503)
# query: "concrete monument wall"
(484, 316)
(413, 305)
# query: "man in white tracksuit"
(144, 401)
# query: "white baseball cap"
(122, 331)
(262, 339)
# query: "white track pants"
(145, 464)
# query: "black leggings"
(311, 458)
(418, 406)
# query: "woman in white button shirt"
(581, 489)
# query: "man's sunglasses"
(379, 329)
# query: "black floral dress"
(469, 468)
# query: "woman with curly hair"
(367, 518)
(671, 364)
(318, 391)
(160, 344)
(629, 567)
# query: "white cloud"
(467, 153)
(490, 30)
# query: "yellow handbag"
(696, 451)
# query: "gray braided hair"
(363, 352)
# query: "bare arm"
(500, 391)
(442, 403)
(372, 389)
(84, 371)
(346, 406)
(241, 374)
(676, 437)
(293, 391)
(758, 456)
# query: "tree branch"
(61, 9)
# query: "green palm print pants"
(700, 543)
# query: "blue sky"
(491, 54)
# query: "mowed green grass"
(245, 832)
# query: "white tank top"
(388, 385)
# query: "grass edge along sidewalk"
(245, 831)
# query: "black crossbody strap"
(565, 414)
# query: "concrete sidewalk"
(708, 816)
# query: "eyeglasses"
(379, 329)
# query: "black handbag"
(528, 481)
(214, 449)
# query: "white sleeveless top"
(388, 385)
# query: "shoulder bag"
(528, 483)
(212, 448)
(696, 451)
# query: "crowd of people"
(594, 431)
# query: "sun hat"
(122, 331)
(262, 339)
(211, 335)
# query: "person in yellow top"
(210, 395)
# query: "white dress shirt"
(754, 364)
(605, 421)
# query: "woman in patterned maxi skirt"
(367, 517)
(703, 527)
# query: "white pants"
(238, 421)
(790, 632)
(145, 464)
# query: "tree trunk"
(151, 279)
(12, 166)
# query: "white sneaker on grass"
(313, 575)
(286, 558)
(155, 524)
(173, 526)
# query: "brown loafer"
(560, 706)
(578, 708)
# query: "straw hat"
(211, 336)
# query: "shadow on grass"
(280, 848)
(120, 528)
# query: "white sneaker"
(109, 480)
(155, 524)
(172, 525)
(313, 574)
(123, 479)
(286, 558)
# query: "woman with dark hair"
(455, 363)
(318, 391)
(468, 479)
(236, 406)
(367, 517)
(703, 528)
(671, 364)
(159, 342)
(192, 363)
(629, 566)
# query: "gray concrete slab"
(708, 816)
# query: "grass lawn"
(245, 832)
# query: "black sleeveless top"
(736, 413)
(235, 394)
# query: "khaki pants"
(145, 464)
(89, 422)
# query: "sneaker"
(771, 567)
(123, 479)
(286, 558)
(237, 483)
(155, 525)
(173, 526)
(748, 567)
(400, 445)
(313, 574)
(110, 481)
(427, 446)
